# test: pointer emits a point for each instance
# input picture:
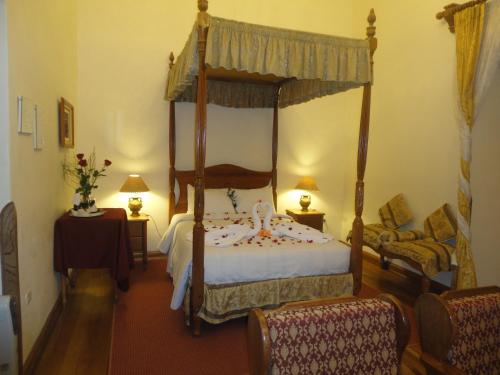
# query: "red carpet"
(150, 338)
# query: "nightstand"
(138, 230)
(312, 218)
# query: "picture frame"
(66, 124)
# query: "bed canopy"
(242, 65)
(246, 63)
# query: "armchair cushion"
(441, 224)
(395, 213)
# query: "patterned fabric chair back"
(460, 331)
(346, 336)
(476, 347)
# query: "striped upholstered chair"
(393, 215)
(460, 331)
(431, 253)
(331, 336)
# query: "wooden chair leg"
(425, 284)
(454, 270)
(384, 263)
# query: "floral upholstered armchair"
(344, 335)
(460, 331)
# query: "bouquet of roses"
(84, 174)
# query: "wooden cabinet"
(312, 218)
(138, 231)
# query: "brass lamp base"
(135, 205)
(305, 201)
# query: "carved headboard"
(221, 176)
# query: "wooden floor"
(80, 343)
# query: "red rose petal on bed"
(309, 241)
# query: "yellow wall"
(123, 61)
(4, 114)
(42, 66)
(4, 117)
(414, 134)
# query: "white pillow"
(216, 201)
(246, 198)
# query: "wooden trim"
(402, 323)
(449, 12)
(259, 343)
(415, 277)
(450, 294)
(43, 338)
(9, 265)
(356, 255)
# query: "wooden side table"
(138, 230)
(312, 218)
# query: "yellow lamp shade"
(307, 183)
(134, 184)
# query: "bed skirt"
(229, 301)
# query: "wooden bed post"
(275, 148)
(198, 276)
(171, 145)
(356, 258)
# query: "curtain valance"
(307, 65)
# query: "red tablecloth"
(94, 242)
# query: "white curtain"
(489, 55)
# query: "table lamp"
(306, 183)
(134, 184)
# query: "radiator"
(8, 337)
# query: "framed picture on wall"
(66, 124)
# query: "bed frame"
(227, 175)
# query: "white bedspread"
(248, 260)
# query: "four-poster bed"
(239, 65)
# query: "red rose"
(79, 156)
(107, 162)
(82, 162)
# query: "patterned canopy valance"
(304, 65)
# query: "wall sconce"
(308, 184)
(134, 184)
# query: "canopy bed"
(242, 65)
